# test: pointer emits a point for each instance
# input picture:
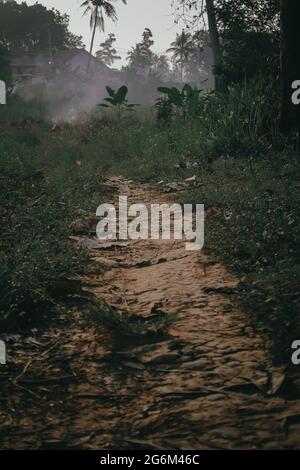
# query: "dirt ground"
(207, 383)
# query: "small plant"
(129, 325)
(117, 101)
(185, 103)
(164, 109)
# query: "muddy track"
(208, 383)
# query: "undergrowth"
(126, 325)
(248, 174)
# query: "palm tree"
(181, 49)
(107, 53)
(98, 9)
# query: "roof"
(63, 57)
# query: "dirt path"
(209, 383)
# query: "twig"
(27, 365)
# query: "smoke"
(71, 88)
(64, 98)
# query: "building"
(42, 66)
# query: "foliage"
(5, 69)
(191, 55)
(254, 15)
(160, 69)
(254, 230)
(143, 62)
(248, 180)
(126, 325)
(117, 100)
(107, 53)
(43, 191)
(189, 52)
(186, 102)
(164, 109)
(249, 32)
(98, 9)
(26, 28)
(251, 38)
(200, 57)
(240, 122)
(181, 50)
(141, 57)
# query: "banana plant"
(186, 102)
(117, 100)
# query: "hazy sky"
(133, 18)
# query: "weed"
(118, 102)
(123, 324)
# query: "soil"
(207, 382)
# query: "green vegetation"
(247, 178)
(5, 70)
(186, 103)
(26, 28)
(117, 101)
(253, 228)
(45, 185)
(125, 325)
(107, 52)
(98, 11)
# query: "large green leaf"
(110, 91)
(176, 97)
(121, 94)
(111, 101)
(164, 90)
(188, 90)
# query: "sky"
(133, 19)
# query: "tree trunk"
(93, 38)
(215, 42)
(290, 63)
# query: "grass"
(249, 175)
(255, 232)
(125, 325)
(44, 186)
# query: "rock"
(191, 180)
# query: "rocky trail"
(207, 382)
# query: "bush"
(5, 70)
(42, 191)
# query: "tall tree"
(244, 35)
(107, 52)
(5, 70)
(250, 38)
(200, 62)
(98, 9)
(181, 50)
(290, 62)
(196, 11)
(28, 28)
(160, 68)
(215, 42)
(141, 57)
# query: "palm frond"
(110, 11)
(100, 23)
